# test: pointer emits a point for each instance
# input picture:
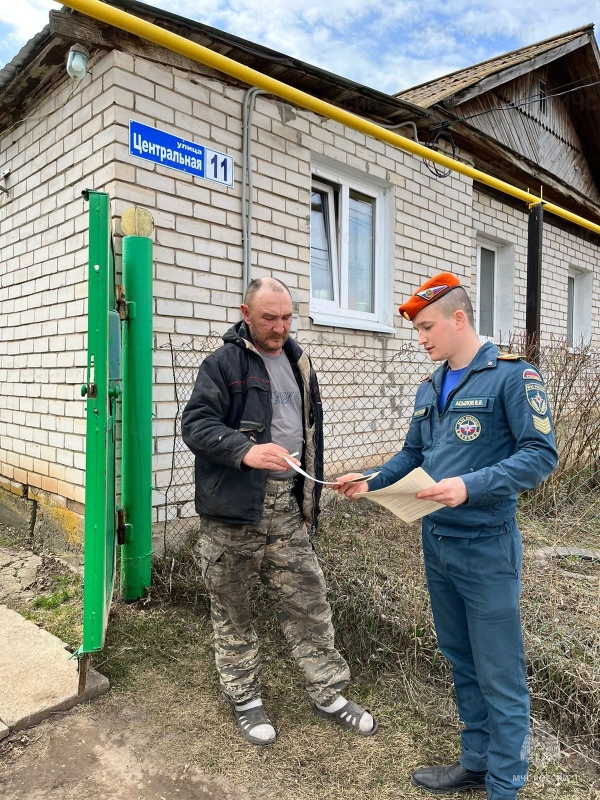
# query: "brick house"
(350, 223)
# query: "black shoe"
(447, 780)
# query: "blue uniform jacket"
(495, 432)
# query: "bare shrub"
(572, 377)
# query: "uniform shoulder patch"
(536, 397)
(508, 357)
(531, 374)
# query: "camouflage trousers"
(279, 552)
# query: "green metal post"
(101, 391)
(136, 552)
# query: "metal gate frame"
(102, 389)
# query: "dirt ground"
(164, 733)
(102, 749)
(98, 752)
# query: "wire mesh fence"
(380, 611)
(368, 395)
(572, 377)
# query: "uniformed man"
(256, 401)
(482, 428)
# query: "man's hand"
(268, 456)
(342, 486)
(450, 491)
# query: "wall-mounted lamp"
(77, 62)
(5, 175)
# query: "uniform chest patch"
(536, 397)
(467, 428)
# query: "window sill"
(493, 340)
(350, 322)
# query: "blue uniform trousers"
(474, 584)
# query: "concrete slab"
(38, 676)
(18, 572)
(16, 511)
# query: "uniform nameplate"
(470, 402)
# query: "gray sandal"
(249, 719)
(349, 717)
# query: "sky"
(388, 45)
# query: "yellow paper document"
(400, 498)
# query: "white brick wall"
(62, 147)
(563, 246)
(197, 241)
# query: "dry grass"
(561, 617)
(373, 565)
(158, 657)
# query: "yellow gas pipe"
(196, 52)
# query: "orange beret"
(429, 292)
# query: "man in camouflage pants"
(255, 401)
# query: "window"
(349, 277)
(487, 273)
(579, 306)
(570, 308)
(323, 243)
(495, 291)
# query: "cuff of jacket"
(475, 488)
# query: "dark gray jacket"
(230, 411)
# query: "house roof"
(313, 80)
(574, 57)
(455, 86)
(50, 45)
(42, 62)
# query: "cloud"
(25, 18)
(390, 45)
(20, 20)
(386, 45)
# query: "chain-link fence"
(572, 377)
(368, 395)
(377, 591)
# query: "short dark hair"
(263, 283)
(456, 300)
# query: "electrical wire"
(441, 135)
(528, 101)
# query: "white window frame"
(333, 248)
(504, 289)
(581, 312)
(493, 249)
(328, 176)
